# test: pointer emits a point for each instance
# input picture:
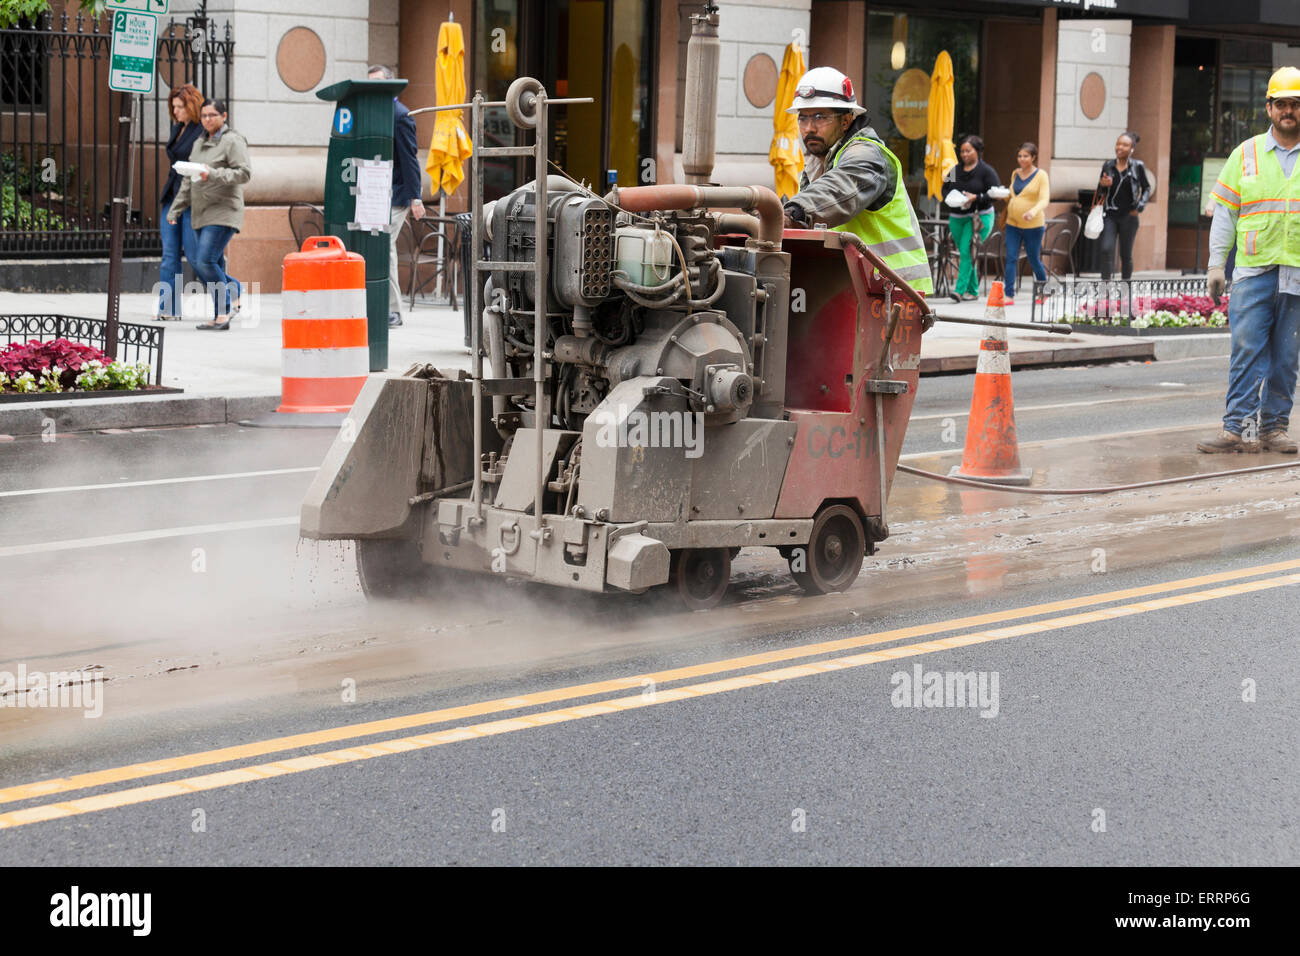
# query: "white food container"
(186, 168)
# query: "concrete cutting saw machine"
(657, 383)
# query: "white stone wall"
(384, 17)
(747, 28)
(1083, 47)
(744, 132)
(266, 111)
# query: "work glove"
(1218, 282)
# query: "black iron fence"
(1115, 302)
(58, 123)
(135, 343)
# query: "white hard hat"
(825, 86)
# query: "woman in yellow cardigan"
(1025, 221)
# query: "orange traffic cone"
(992, 453)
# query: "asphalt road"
(1117, 708)
(1135, 723)
(1075, 401)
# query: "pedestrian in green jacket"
(216, 204)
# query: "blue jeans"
(171, 279)
(1265, 352)
(210, 263)
(1033, 240)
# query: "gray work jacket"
(863, 178)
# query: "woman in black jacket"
(973, 178)
(1127, 190)
(185, 102)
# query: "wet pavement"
(232, 609)
(214, 626)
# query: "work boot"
(1277, 440)
(1228, 443)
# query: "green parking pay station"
(358, 184)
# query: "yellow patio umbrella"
(785, 155)
(940, 156)
(450, 146)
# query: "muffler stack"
(699, 125)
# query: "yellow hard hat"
(1285, 82)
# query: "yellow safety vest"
(892, 232)
(1267, 204)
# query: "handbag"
(1096, 218)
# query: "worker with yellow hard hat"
(1257, 209)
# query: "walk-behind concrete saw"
(656, 384)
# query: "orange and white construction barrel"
(325, 354)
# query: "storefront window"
(578, 72)
(1219, 91)
(1241, 111)
(1191, 129)
(496, 64)
(630, 128)
(596, 48)
(901, 50)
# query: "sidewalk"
(235, 375)
(949, 347)
(226, 376)
(245, 361)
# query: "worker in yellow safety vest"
(851, 181)
(1257, 208)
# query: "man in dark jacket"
(406, 189)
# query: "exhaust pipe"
(699, 125)
(760, 199)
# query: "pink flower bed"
(35, 357)
(1201, 305)
(1191, 305)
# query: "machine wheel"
(391, 568)
(521, 104)
(833, 558)
(701, 576)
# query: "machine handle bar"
(1060, 328)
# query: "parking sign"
(135, 45)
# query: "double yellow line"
(1212, 587)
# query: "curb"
(1043, 358)
(144, 412)
(1198, 345)
(1149, 348)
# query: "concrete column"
(665, 85)
(383, 44)
(417, 63)
(1010, 97)
(1047, 91)
(1151, 95)
(838, 38)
